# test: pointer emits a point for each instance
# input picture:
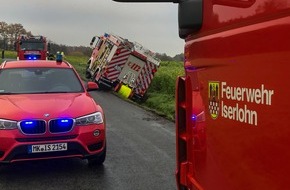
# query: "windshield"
(39, 80)
(27, 45)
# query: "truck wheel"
(98, 159)
(101, 86)
(140, 99)
(88, 75)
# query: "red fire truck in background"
(31, 48)
(126, 66)
(232, 106)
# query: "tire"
(101, 86)
(98, 159)
(140, 99)
(88, 75)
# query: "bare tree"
(14, 30)
(3, 34)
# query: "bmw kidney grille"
(60, 125)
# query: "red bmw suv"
(46, 112)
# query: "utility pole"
(4, 47)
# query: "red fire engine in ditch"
(125, 66)
(232, 106)
(31, 48)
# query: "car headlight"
(7, 124)
(95, 118)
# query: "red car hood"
(28, 106)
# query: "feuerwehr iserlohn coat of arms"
(214, 99)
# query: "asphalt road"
(140, 155)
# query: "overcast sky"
(75, 22)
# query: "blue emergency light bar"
(31, 57)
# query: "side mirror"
(92, 86)
(93, 40)
(189, 17)
(190, 14)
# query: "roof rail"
(67, 63)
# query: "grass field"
(79, 63)
(160, 96)
(161, 93)
(8, 55)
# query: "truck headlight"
(7, 124)
(95, 118)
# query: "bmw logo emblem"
(46, 115)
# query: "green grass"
(161, 93)
(8, 55)
(79, 63)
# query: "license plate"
(47, 147)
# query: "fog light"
(96, 133)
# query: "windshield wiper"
(8, 93)
(54, 92)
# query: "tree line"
(164, 57)
(10, 32)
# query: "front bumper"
(81, 143)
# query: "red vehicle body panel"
(233, 104)
(31, 48)
(20, 107)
